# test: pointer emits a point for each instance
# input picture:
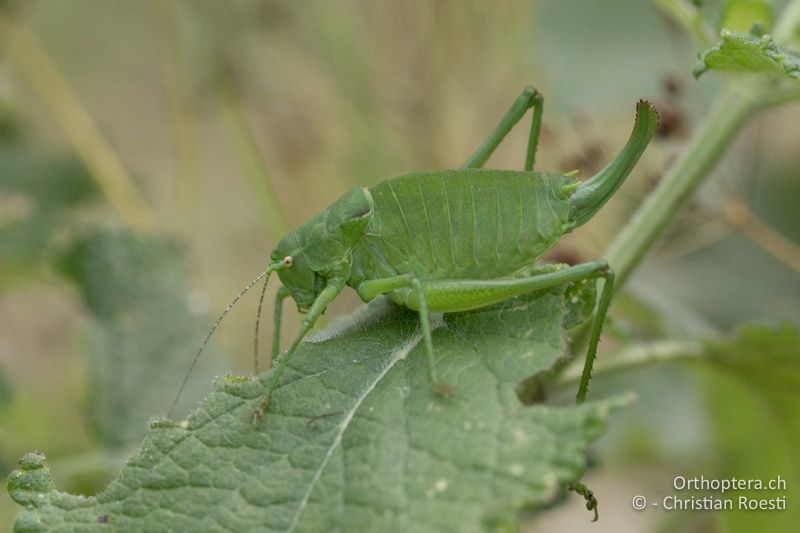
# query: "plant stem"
(637, 355)
(241, 135)
(178, 88)
(708, 144)
(742, 219)
(255, 169)
(783, 95)
(691, 19)
(659, 208)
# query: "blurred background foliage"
(151, 153)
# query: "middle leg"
(368, 290)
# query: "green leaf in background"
(37, 195)
(144, 330)
(768, 360)
(742, 52)
(755, 411)
(747, 15)
(355, 439)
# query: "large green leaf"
(755, 413)
(743, 52)
(767, 359)
(355, 439)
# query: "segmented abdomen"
(460, 224)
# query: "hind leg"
(463, 294)
(530, 97)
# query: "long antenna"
(249, 286)
(258, 327)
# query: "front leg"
(277, 314)
(440, 388)
(328, 294)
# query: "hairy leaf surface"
(355, 439)
(754, 407)
(742, 52)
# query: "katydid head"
(321, 248)
(295, 273)
(591, 194)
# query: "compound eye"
(288, 261)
